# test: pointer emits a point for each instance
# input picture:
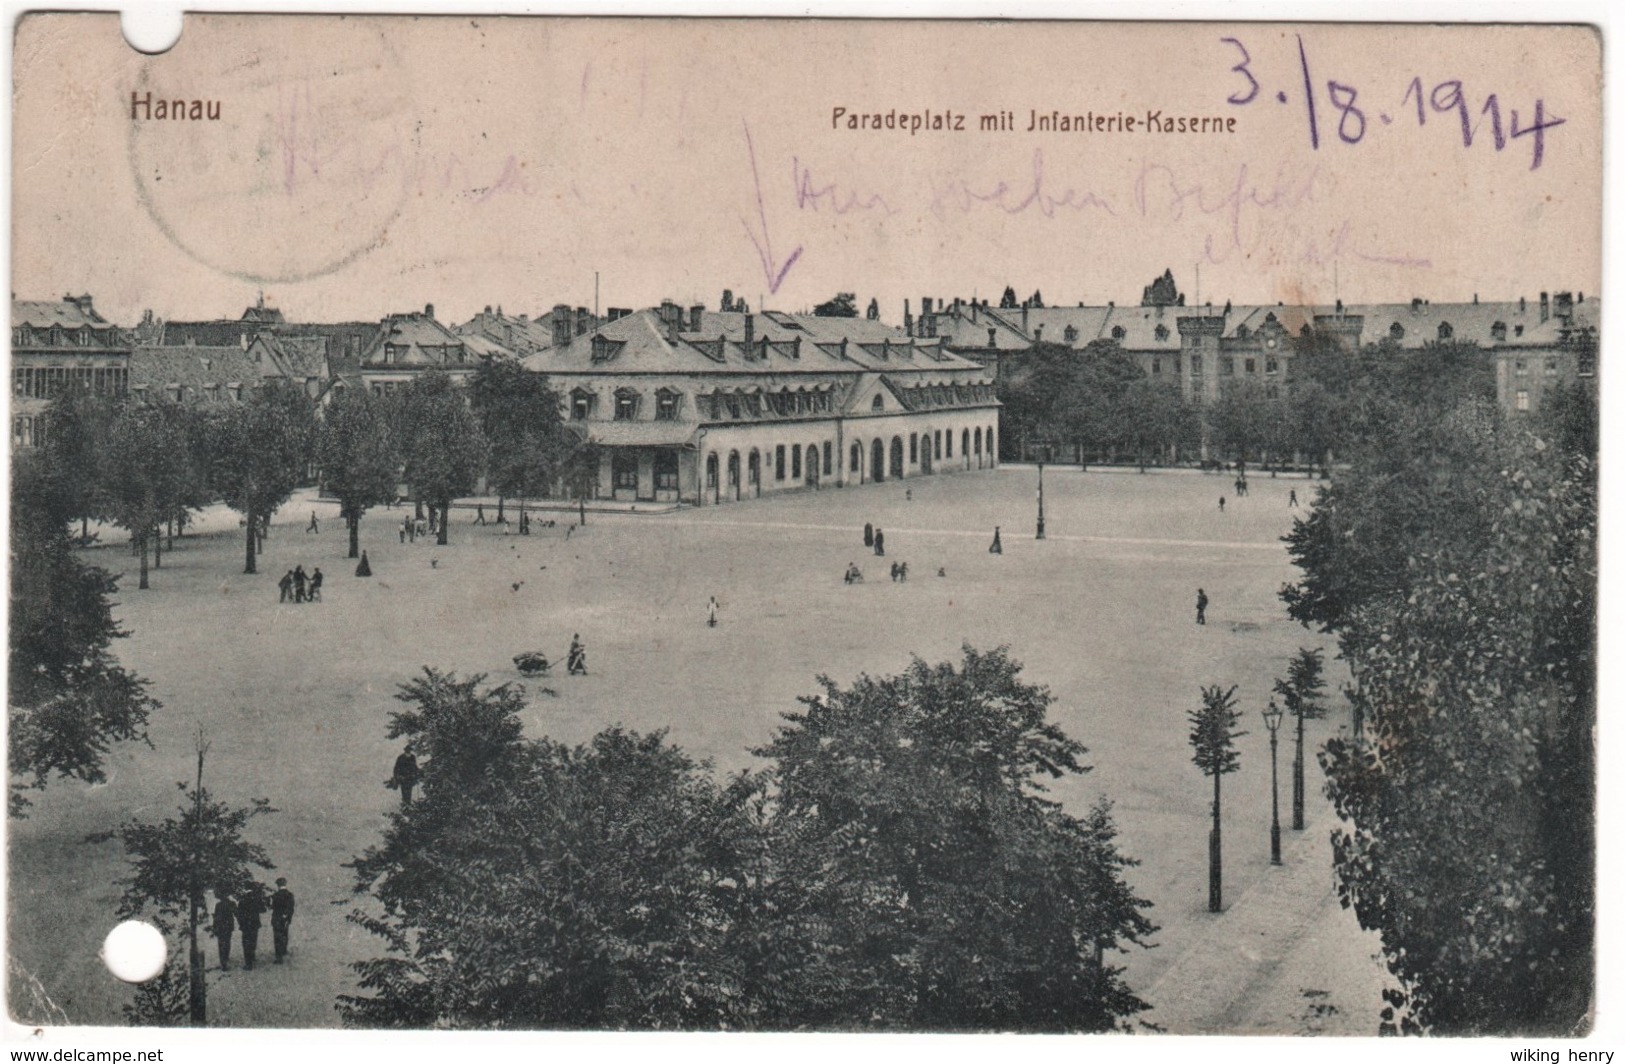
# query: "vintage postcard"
(789, 525)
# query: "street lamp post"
(1040, 499)
(1272, 721)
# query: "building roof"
(521, 335)
(1418, 323)
(193, 369)
(70, 312)
(483, 347)
(420, 340)
(297, 357)
(641, 342)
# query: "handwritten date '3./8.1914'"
(1353, 118)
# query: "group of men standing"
(244, 914)
(300, 587)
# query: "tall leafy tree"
(359, 456)
(521, 417)
(146, 473)
(1242, 420)
(1213, 750)
(76, 436)
(261, 452)
(926, 881)
(68, 697)
(540, 885)
(1157, 420)
(444, 449)
(1467, 793)
(1301, 691)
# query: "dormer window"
(879, 403)
(1396, 331)
(1071, 334)
(1445, 331)
(626, 405)
(1162, 332)
(667, 403)
(581, 404)
(1118, 332)
(1242, 332)
(1498, 331)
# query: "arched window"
(977, 440)
(1162, 332)
(879, 403)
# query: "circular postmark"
(268, 159)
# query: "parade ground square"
(295, 699)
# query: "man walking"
(250, 907)
(996, 547)
(281, 917)
(225, 921)
(1201, 606)
(406, 776)
(313, 526)
(286, 584)
(880, 543)
(577, 658)
(1292, 499)
(711, 612)
(479, 513)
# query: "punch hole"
(135, 951)
(151, 28)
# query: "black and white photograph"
(806, 526)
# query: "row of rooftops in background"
(675, 338)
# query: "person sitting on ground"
(854, 575)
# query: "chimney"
(1545, 306)
(561, 324)
(1340, 305)
(908, 320)
(750, 330)
(1024, 317)
(1523, 305)
(993, 338)
(1416, 305)
(843, 348)
(1038, 335)
(428, 311)
(973, 311)
(925, 306)
(583, 321)
(1475, 299)
(674, 325)
(1563, 305)
(727, 300)
(885, 349)
(695, 314)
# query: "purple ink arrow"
(771, 270)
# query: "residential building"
(57, 346)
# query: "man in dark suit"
(281, 917)
(250, 908)
(225, 922)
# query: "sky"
(364, 166)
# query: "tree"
(174, 861)
(924, 880)
(1036, 299)
(359, 456)
(896, 867)
(1213, 745)
(521, 416)
(441, 442)
(844, 305)
(1242, 419)
(146, 473)
(1008, 300)
(539, 885)
(75, 444)
(261, 453)
(1156, 419)
(1301, 691)
(68, 697)
(1468, 796)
